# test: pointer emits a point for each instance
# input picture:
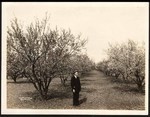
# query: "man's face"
(76, 73)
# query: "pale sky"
(99, 22)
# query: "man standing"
(76, 88)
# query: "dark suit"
(75, 84)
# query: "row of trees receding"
(127, 62)
(40, 54)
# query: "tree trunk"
(43, 93)
(117, 75)
(140, 87)
(15, 79)
(45, 96)
(139, 81)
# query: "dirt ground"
(98, 92)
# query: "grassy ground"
(98, 92)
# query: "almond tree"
(126, 60)
(138, 67)
(41, 51)
(14, 67)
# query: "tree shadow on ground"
(128, 88)
(82, 100)
(125, 86)
(88, 74)
(58, 91)
(85, 83)
(88, 90)
(87, 80)
(59, 94)
(118, 80)
(22, 81)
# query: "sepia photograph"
(75, 58)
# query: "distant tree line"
(127, 62)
